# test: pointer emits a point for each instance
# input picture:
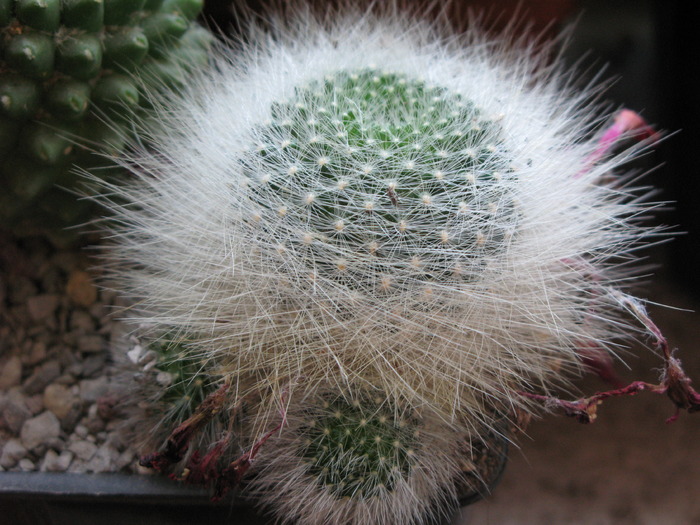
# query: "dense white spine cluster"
(451, 287)
(358, 460)
(376, 205)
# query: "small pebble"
(81, 321)
(55, 462)
(92, 389)
(80, 288)
(81, 431)
(41, 307)
(11, 374)
(12, 452)
(93, 365)
(90, 344)
(77, 466)
(125, 458)
(26, 465)
(39, 429)
(20, 289)
(36, 354)
(15, 411)
(42, 376)
(35, 404)
(83, 449)
(59, 400)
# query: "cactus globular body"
(444, 229)
(65, 65)
(359, 459)
(378, 182)
(425, 227)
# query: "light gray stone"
(11, 373)
(40, 429)
(125, 459)
(77, 466)
(54, 462)
(81, 431)
(40, 307)
(103, 460)
(12, 452)
(83, 449)
(92, 389)
(26, 465)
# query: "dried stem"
(674, 381)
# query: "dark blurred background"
(648, 49)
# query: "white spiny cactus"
(378, 206)
(356, 459)
(373, 205)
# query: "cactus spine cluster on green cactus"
(358, 449)
(61, 63)
(359, 458)
(184, 382)
(383, 165)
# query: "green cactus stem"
(65, 65)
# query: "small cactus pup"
(166, 381)
(375, 205)
(66, 66)
(360, 459)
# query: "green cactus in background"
(65, 65)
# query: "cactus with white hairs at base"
(372, 205)
(358, 459)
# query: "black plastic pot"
(38, 498)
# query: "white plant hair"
(464, 303)
(414, 483)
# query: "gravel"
(55, 369)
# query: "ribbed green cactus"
(171, 382)
(63, 63)
(359, 459)
(359, 449)
(389, 165)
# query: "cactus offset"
(170, 381)
(359, 459)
